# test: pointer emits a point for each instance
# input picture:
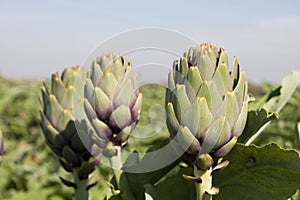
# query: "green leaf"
(275, 100)
(255, 120)
(288, 86)
(256, 105)
(267, 172)
(138, 181)
(175, 187)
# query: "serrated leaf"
(138, 181)
(276, 99)
(255, 120)
(175, 187)
(267, 172)
(288, 86)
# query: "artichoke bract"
(206, 104)
(112, 101)
(58, 123)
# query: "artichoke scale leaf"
(120, 117)
(65, 117)
(77, 144)
(172, 122)
(181, 101)
(210, 92)
(102, 130)
(213, 134)
(89, 92)
(225, 149)
(44, 96)
(84, 171)
(229, 108)
(171, 83)
(206, 118)
(218, 80)
(193, 83)
(123, 135)
(66, 166)
(95, 73)
(69, 131)
(79, 80)
(48, 130)
(206, 67)
(188, 141)
(212, 52)
(241, 120)
(215, 98)
(191, 117)
(136, 109)
(124, 92)
(67, 76)
(177, 75)
(103, 105)
(241, 88)
(108, 84)
(44, 120)
(224, 136)
(67, 99)
(117, 69)
(53, 110)
(89, 111)
(57, 87)
(59, 143)
(50, 134)
(192, 55)
(223, 57)
(235, 74)
(223, 70)
(184, 67)
(106, 61)
(70, 156)
(68, 183)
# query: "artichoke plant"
(206, 108)
(112, 105)
(58, 125)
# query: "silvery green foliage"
(112, 101)
(206, 104)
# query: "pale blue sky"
(39, 38)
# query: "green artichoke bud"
(112, 101)
(206, 104)
(58, 123)
(1, 146)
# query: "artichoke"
(58, 125)
(112, 101)
(206, 104)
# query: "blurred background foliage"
(30, 171)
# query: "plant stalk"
(116, 165)
(205, 185)
(81, 192)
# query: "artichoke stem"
(116, 165)
(81, 192)
(205, 185)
